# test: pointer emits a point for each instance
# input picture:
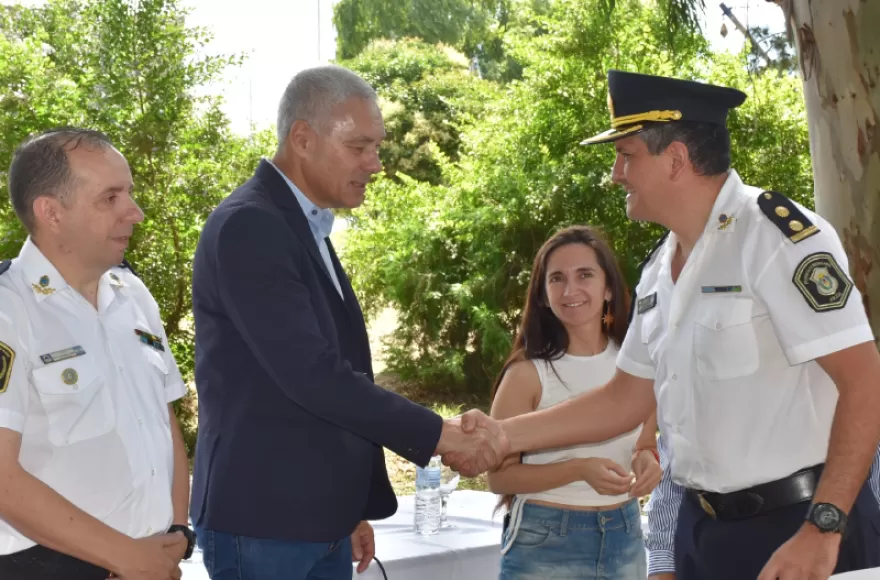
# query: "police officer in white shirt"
(752, 342)
(94, 478)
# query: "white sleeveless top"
(579, 374)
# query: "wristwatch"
(827, 517)
(190, 538)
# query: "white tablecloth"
(872, 574)
(469, 550)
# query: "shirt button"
(153, 472)
(674, 377)
(149, 530)
(140, 421)
(314, 212)
(717, 327)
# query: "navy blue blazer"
(291, 425)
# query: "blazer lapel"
(286, 201)
(351, 301)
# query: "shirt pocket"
(726, 345)
(76, 400)
(156, 375)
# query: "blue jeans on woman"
(553, 543)
(229, 557)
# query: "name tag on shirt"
(67, 353)
(647, 303)
(721, 289)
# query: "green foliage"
(454, 257)
(131, 70)
(427, 94)
(475, 28)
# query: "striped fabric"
(663, 507)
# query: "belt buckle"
(707, 507)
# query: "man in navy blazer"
(289, 461)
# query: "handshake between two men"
(473, 443)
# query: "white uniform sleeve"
(14, 393)
(634, 357)
(814, 306)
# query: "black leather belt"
(746, 503)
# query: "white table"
(470, 550)
(872, 574)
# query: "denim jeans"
(229, 557)
(554, 544)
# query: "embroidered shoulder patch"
(822, 282)
(786, 216)
(7, 357)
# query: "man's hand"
(647, 471)
(150, 558)
(664, 576)
(473, 443)
(808, 555)
(363, 546)
(177, 551)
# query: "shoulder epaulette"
(128, 267)
(786, 216)
(4, 265)
(642, 266)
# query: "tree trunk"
(839, 49)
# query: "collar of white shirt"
(722, 218)
(45, 280)
(320, 219)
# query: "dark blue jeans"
(229, 557)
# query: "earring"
(607, 317)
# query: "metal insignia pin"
(724, 221)
(69, 376)
(43, 287)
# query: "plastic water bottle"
(428, 504)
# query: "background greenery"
(485, 102)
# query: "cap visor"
(612, 135)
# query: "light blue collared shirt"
(320, 222)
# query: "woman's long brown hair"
(541, 335)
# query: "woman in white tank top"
(572, 512)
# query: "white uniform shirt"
(732, 345)
(95, 427)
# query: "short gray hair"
(313, 92)
(40, 167)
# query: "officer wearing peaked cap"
(751, 340)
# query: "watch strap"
(190, 538)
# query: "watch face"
(826, 517)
